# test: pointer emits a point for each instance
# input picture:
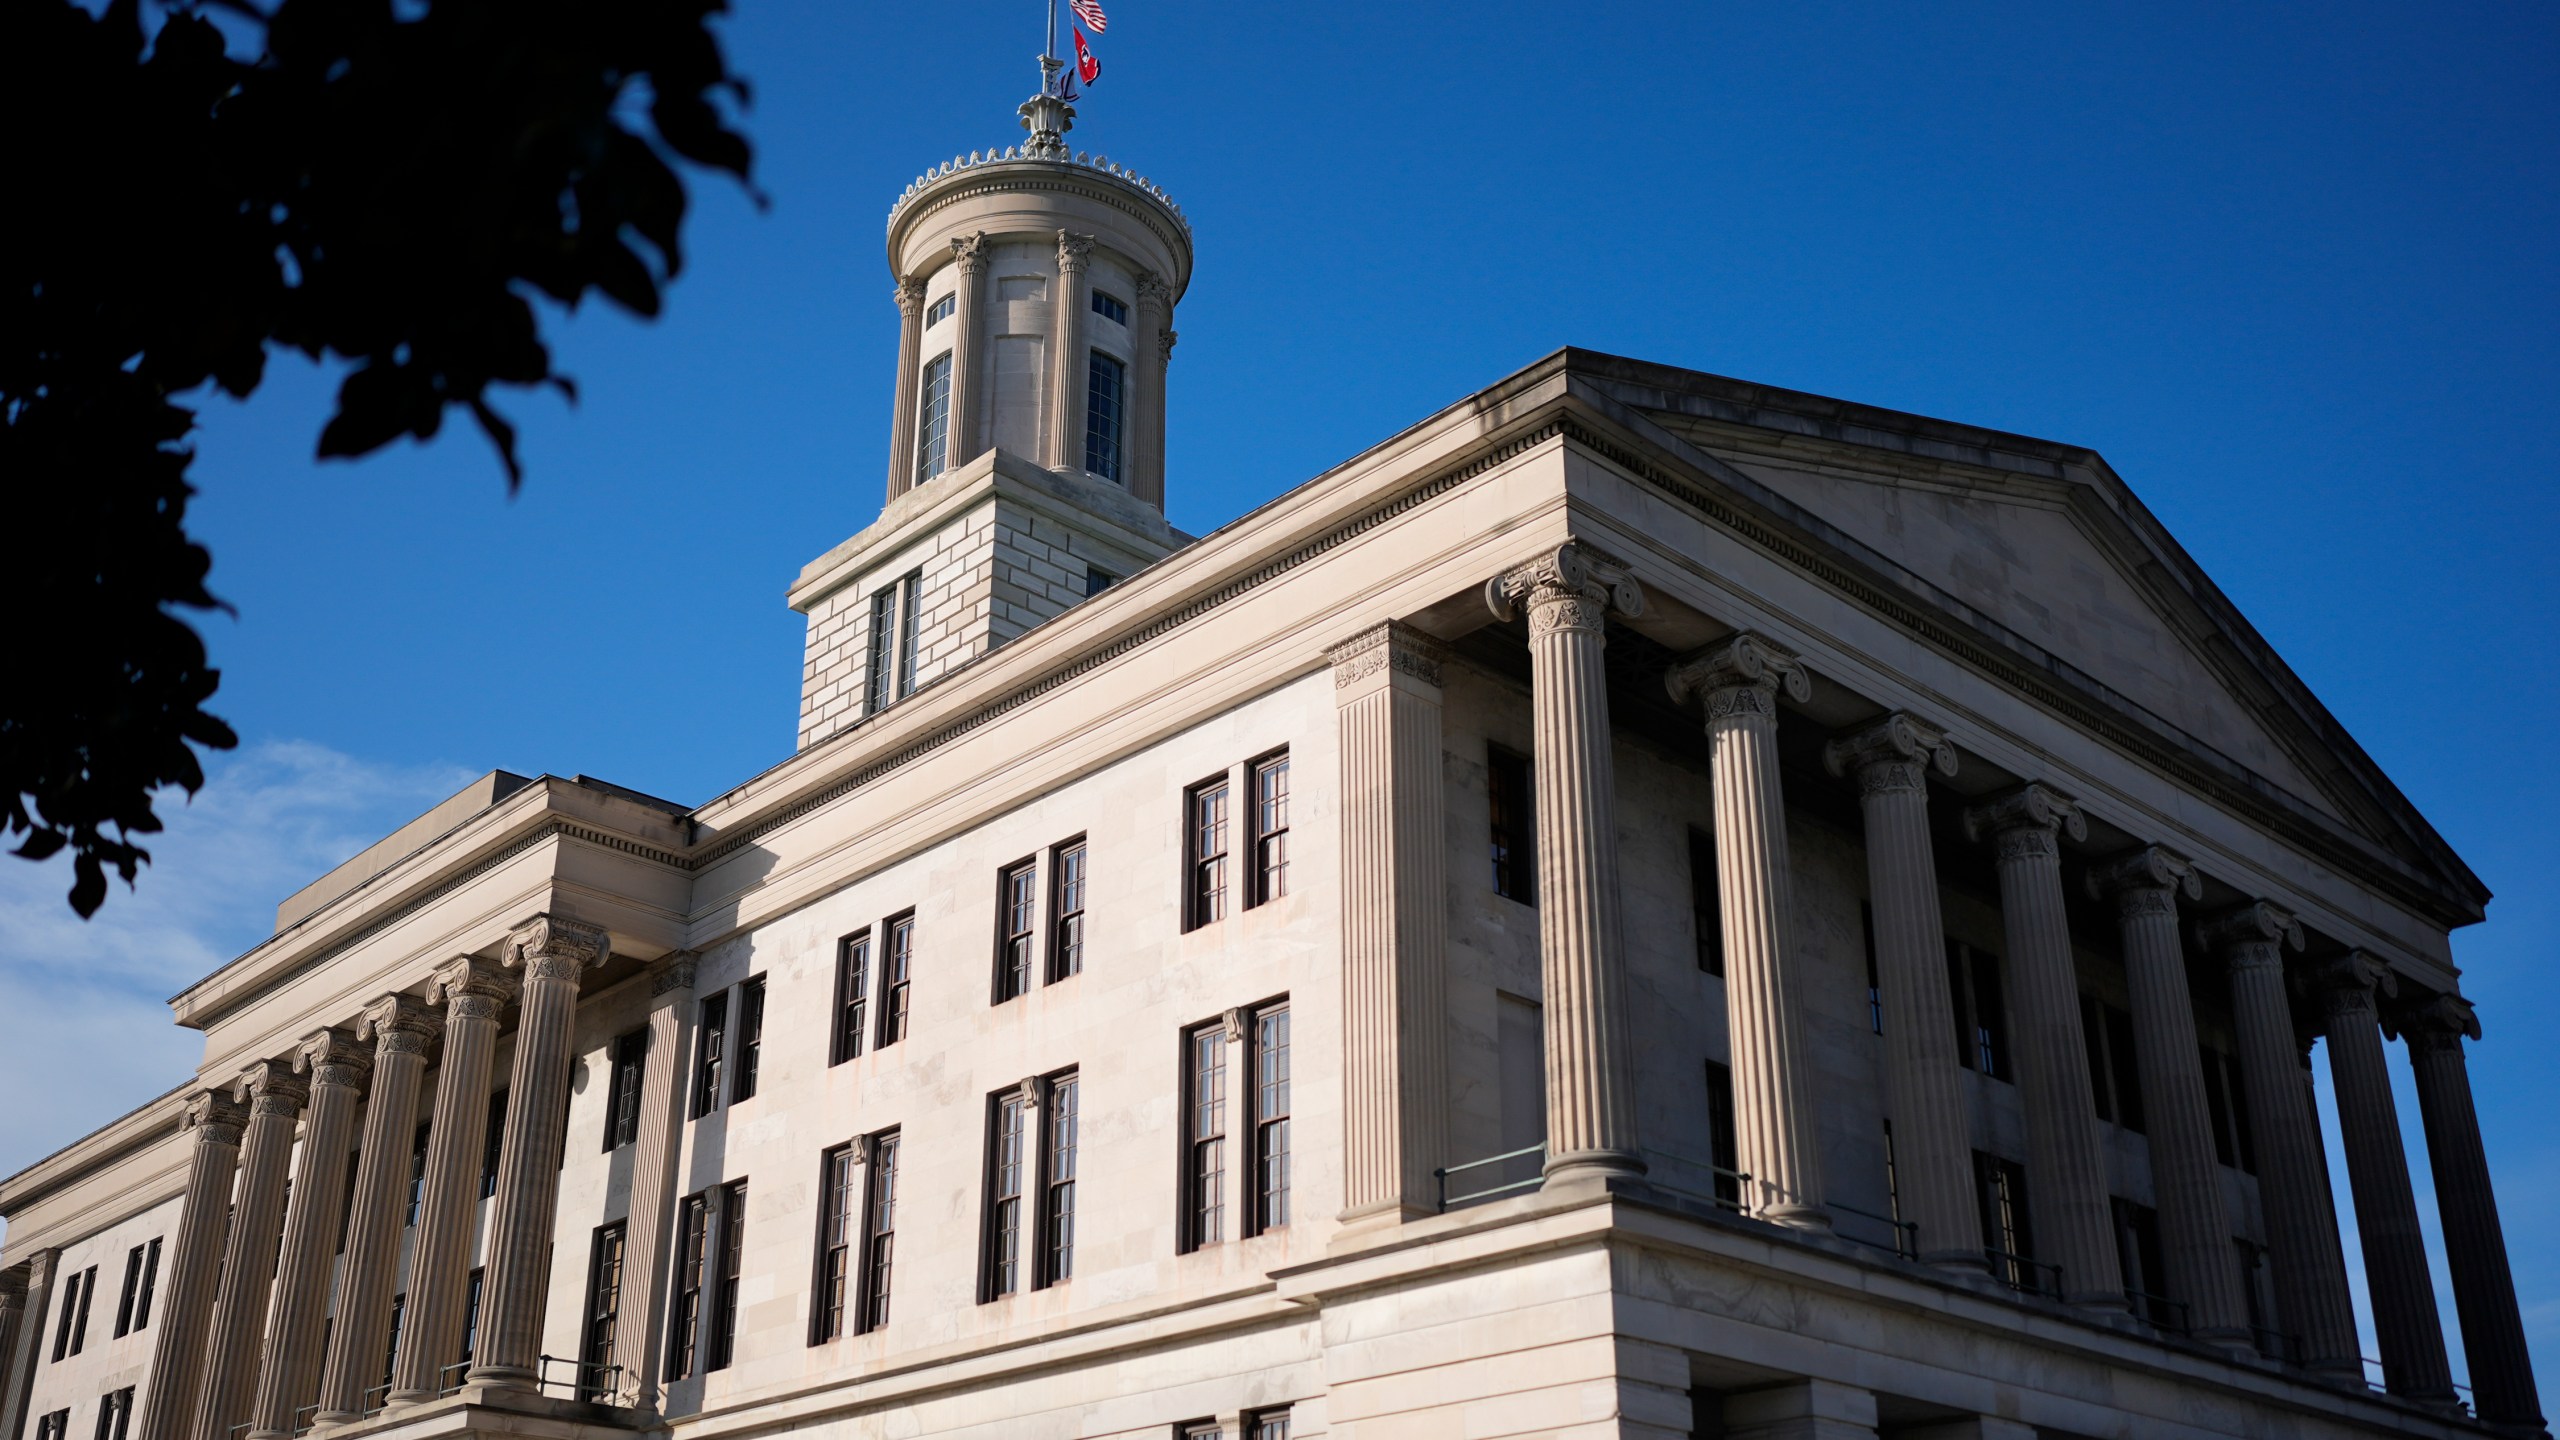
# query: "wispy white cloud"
(85, 1033)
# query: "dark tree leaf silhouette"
(385, 184)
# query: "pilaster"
(20, 1360)
(2066, 1166)
(1395, 1080)
(1775, 1092)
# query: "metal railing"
(375, 1400)
(1741, 1187)
(2275, 1344)
(2161, 1312)
(587, 1381)
(1440, 1177)
(2030, 1277)
(1906, 1233)
(303, 1418)
(449, 1379)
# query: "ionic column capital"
(2252, 935)
(971, 252)
(2027, 821)
(2346, 983)
(270, 1087)
(399, 1024)
(470, 988)
(1074, 252)
(217, 1117)
(333, 1056)
(2147, 881)
(1390, 646)
(1741, 676)
(2438, 1023)
(909, 295)
(1574, 588)
(548, 947)
(1891, 756)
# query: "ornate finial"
(1047, 115)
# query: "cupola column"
(2293, 1184)
(289, 1372)
(1932, 1141)
(471, 992)
(554, 954)
(2475, 1248)
(2185, 1177)
(1154, 345)
(1591, 1112)
(1775, 1092)
(1067, 349)
(1395, 921)
(2066, 1164)
(2405, 1322)
(971, 253)
(401, 1028)
(902, 420)
(214, 1118)
(274, 1095)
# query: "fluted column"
(2186, 1179)
(18, 1363)
(552, 954)
(1591, 1113)
(274, 1094)
(902, 411)
(2475, 1247)
(2066, 1165)
(2405, 1322)
(2293, 1186)
(185, 1307)
(970, 253)
(472, 992)
(289, 1372)
(637, 1346)
(1066, 348)
(1395, 924)
(1932, 1137)
(401, 1027)
(1775, 1094)
(1153, 341)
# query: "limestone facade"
(1591, 918)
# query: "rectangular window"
(55, 1425)
(150, 1283)
(1017, 924)
(1111, 307)
(124, 1299)
(933, 417)
(622, 1092)
(1204, 1167)
(910, 601)
(115, 1413)
(896, 970)
(1097, 581)
(73, 1332)
(1706, 901)
(940, 311)
(1513, 833)
(1875, 991)
(1105, 398)
(417, 1174)
(2112, 1037)
(1270, 1031)
(839, 1210)
(2231, 1139)
(750, 1062)
(710, 1044)
(2139, 1260)
(1006, 1133)
(853, 996)
(1206, 825)
(1722, 1150)
(494, 1135)
(1267, 1425)
(391, 1346)
(880, 656)
(1270, 829)
(604, 1309)
(1058, 1203)
(1066, 910)
(2001, 1186)
(471, 1313)
(733, 1269)
(1981, 1014)
(693, 1258)
(879, 1231)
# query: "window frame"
(598, 1320)
(720, 1346)
(1511, 785)
(1017, 959)
(941, 309)
(852, 1010)
(1106, 416)
(1070, 875)
(933, 417)
(1110, 307)
(1706, 900)
(710, 1053)
(879, 1230)
(897, 978)
(1203, 1187)
(1266, 837)
(1061, 1106)
(1204, 871)
(834, 1273)
(627, 1067)
(1010, 1182)
(1266, 1206)
(685, 1293)
(746, 1059)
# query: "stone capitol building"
(1781, 918)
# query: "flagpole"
(1049, 47)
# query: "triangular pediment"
(2043, 541)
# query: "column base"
(1812, 1219)
(334, 1417)
(2101, 1303)
(503, 1377)
(1585, 1166)
(409, 1397)
(1957, 1262)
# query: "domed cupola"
(1035, 287)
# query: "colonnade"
(247, 1349)
(1389, 683)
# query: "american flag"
(1090, 12)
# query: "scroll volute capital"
(1573, 586)
(2034, 808)
(471, 987)
(399, 1024)
(2258, 930)
(549, 947)
(1893, 754)
(1743, 672)
(2145, 879)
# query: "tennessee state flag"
(1087, 67)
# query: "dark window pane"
(1105, 399)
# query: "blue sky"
(2288, 267)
